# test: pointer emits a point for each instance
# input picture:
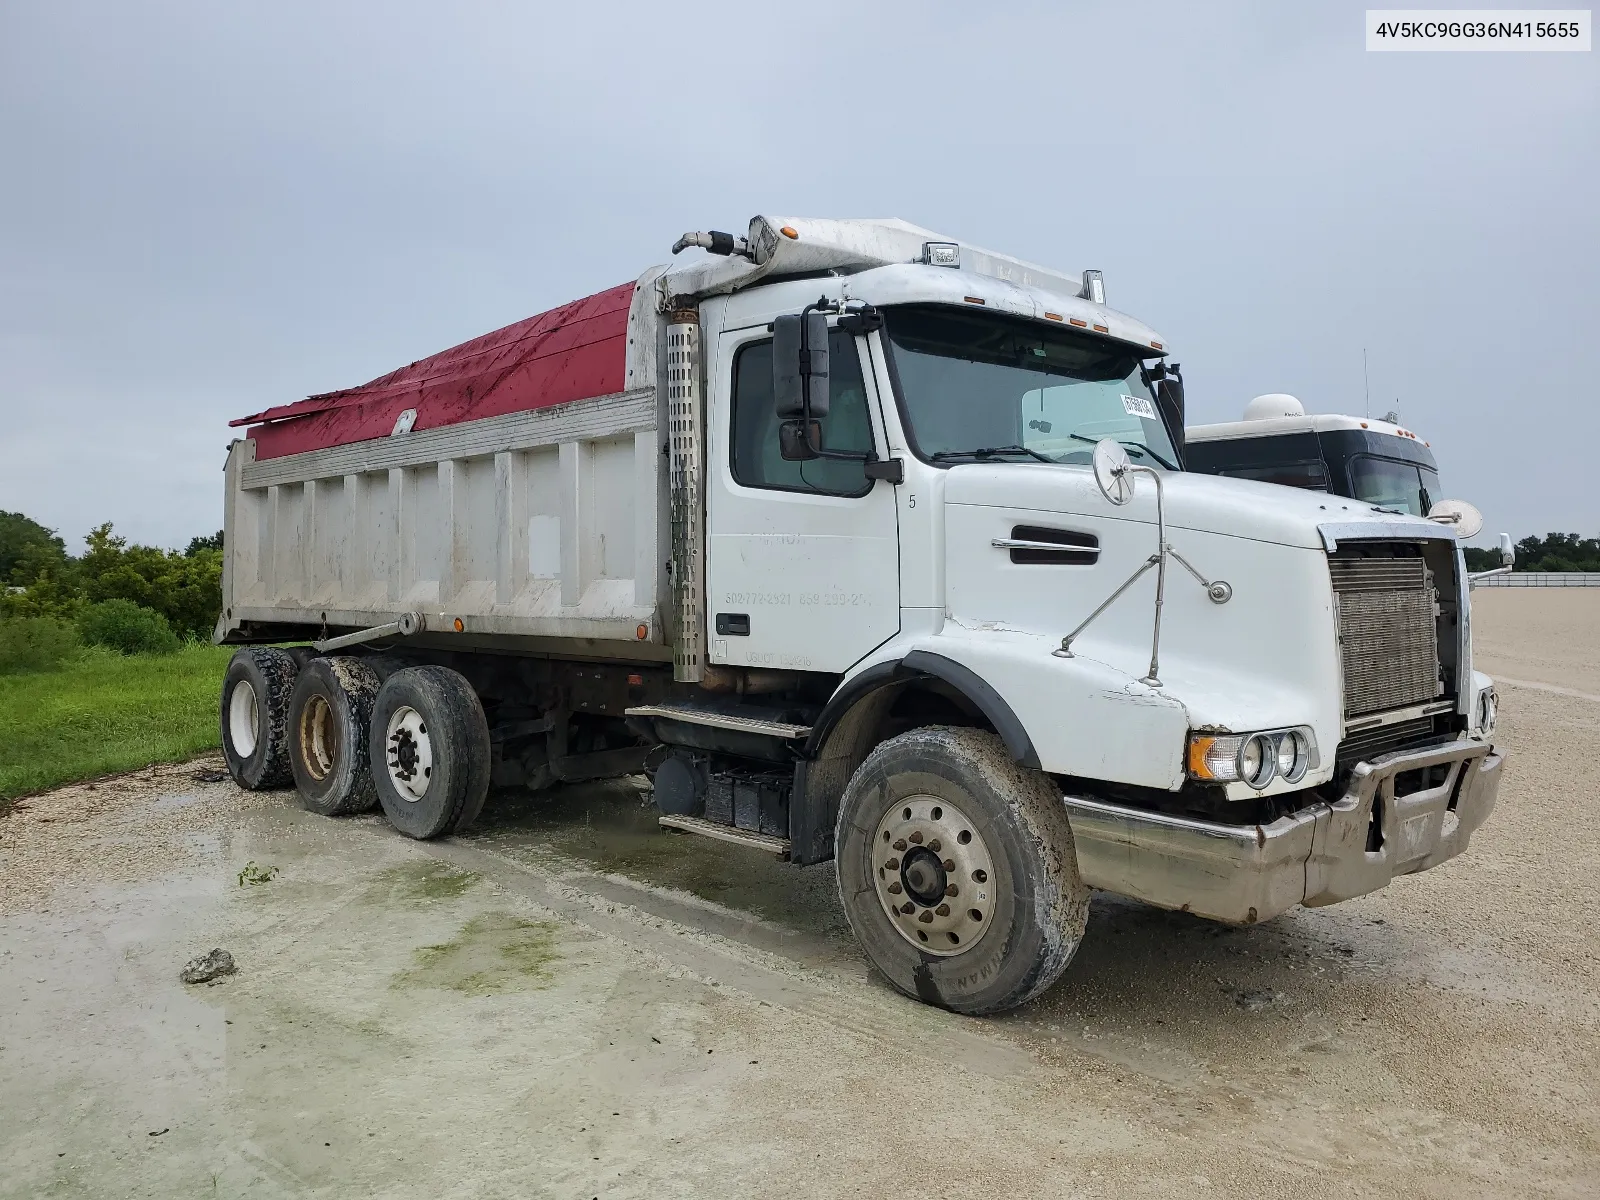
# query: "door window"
(757, 459)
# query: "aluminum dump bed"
(513, 484)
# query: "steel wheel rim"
(933, 874)
(244, 719)
(408, 753)
(319, 745)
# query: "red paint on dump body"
(574, 352)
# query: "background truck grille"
(1388, 629)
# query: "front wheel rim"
(244, 719)
(932, 871)
(408, 754)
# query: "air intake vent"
(1378, 574)
(1370, 743)
(1037, 544)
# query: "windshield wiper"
(1140, 448)
(990, 452)
(1137, 447)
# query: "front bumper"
(1414, 809)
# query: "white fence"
(1543, 579)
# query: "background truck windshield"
(1409, 487)
(975, 382)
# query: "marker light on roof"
(1081, 324)
(1094, 287)
(941, 254)
(788, 231)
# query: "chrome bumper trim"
(1244, 874)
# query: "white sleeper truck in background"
(868, 545)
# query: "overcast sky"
(209, 208)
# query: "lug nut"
(942, 911)
(935, 846)
(950, 889)
(927, 917)
(900, 845)
(907, 907)
(892, 865)
(894, 889)
(949, 864)
(916, 836)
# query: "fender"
(926, 663)
(825, 769)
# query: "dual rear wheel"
(415, 743)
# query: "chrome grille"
(1388, 631)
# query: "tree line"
(41, 580)
(1552, 552)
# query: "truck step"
(727, 833)
(705, 716)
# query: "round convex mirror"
(1113, 471)
(1462, 517)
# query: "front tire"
(429, 751)
(958, 872)
(255, 717)
(330, 716)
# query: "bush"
(127, 628)
(35, 644)
(186, 589)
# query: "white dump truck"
(872, 546)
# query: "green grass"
(104, 713)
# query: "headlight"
(1258, 760)
(1253, 758)
(1293, 756)
(1488, 712)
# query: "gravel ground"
(569, 1003)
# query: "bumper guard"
(1414, 809)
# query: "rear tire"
(429, 751)
(330, 716)
(255, 717)
(958, 872)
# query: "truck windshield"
(1406, 486)
(978, 386)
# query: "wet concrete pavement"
(571, 1002)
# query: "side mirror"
(1465, 519)
(1169, 390)
(1508, 552)
(800, 366)
(1113, 471)
(794, 445)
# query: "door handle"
(1058, 547)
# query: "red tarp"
(569, 353)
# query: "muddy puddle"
(610, 828)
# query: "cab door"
(802, 568)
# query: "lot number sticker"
(1138, 406)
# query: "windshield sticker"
(1138, 406)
